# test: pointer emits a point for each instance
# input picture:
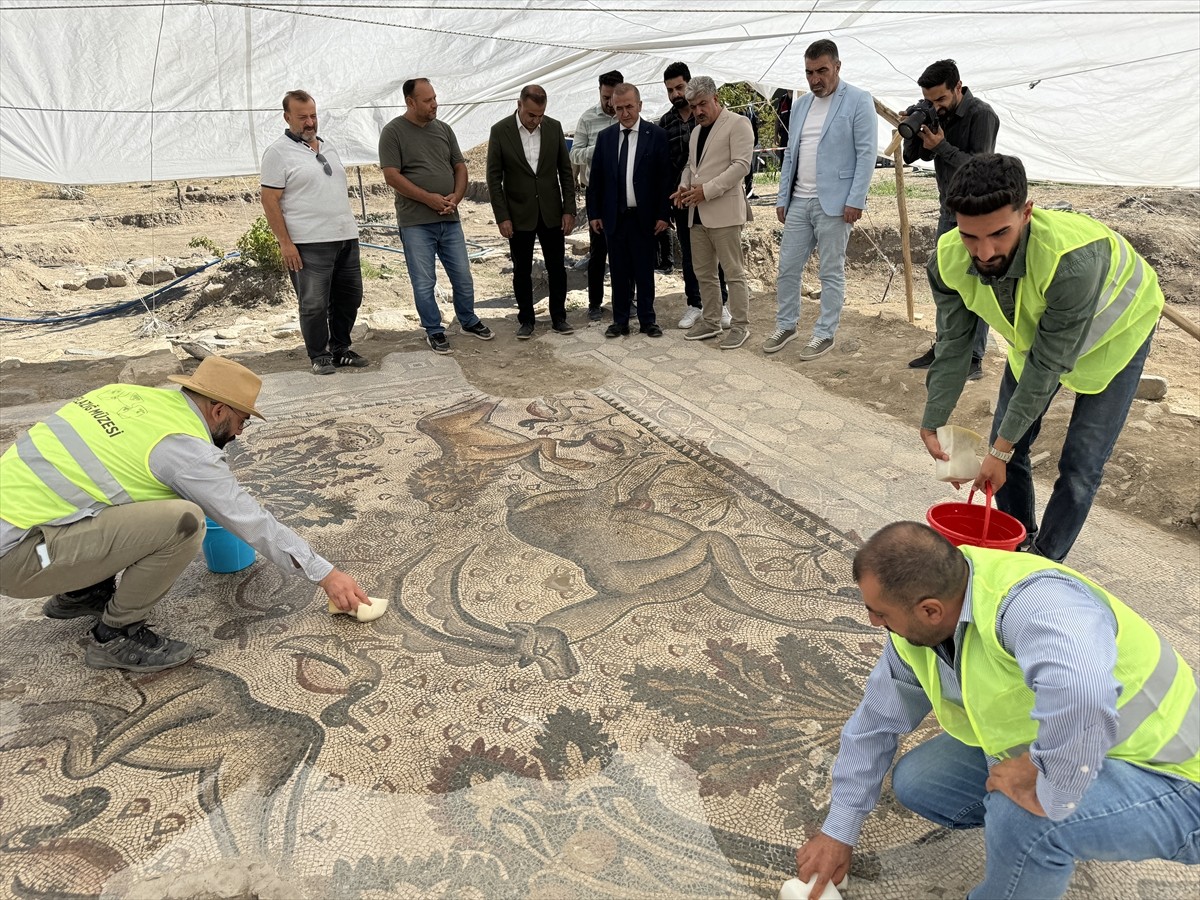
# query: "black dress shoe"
(563, 327)
(615, 330)
(652, 331)
(524, 332)
(924, 361)
(594, 314)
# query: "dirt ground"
(53, 238)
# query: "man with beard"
(1070, 727)
(823, 185)
(967, 127)
(678, 122)
(421, 161)
(720, 151)
(1077, 307)
(119, 481)
(304, 199)
(583, 146)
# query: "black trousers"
(520, 247)
(632, 248)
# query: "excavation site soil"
(66, 251)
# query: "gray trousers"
(151, 542)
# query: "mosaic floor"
(621, 642)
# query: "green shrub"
(260, 249)
(203, 242)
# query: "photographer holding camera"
(949, 126)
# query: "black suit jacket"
(518, 193)
(651, 177)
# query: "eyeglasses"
(325, 163)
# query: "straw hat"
(226, 382)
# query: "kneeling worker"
(119, 481)
(1072, 729)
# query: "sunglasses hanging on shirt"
(299, 140)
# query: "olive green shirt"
(426, 156)
(1071, 300)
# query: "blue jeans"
(1096, 423)
(423, 245)
(807, 227)
(946, 221)
(1128, 813)
(330, 291)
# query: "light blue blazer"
(845, 153)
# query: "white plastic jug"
(963, 445)
(795, 889)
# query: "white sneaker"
(691, 316)
(726, 318)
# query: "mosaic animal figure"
(329, 666)
(474, 451)
(632, 555)
(194, 720)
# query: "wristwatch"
(1002, 455)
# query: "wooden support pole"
(1175, 316)
(905, 248)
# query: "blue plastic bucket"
(224, 551)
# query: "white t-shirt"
(805, 185)
(316, 206)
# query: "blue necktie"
(622, 168)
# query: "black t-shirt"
(704, 130)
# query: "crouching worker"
(1072, 729)
(119, 481)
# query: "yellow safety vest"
(1127, 306)
(1158, 708)
(92, 453)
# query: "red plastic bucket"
(977, 526)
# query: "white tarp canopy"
(1094, 91)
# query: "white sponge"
(364, 613)
(795, 889)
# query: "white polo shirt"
(316, 206)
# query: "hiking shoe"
(134, 648)
(524, 332)
(735, 337)
(690, 317)
(88, 601)
(726, 318)
(348, 358)
(438, 342)
(563, 327)
(778, 340)
(816, 347)
(595, 314)
(976, 370)
(480, 331)
(702, 331)
(323, 365)
(924, 361)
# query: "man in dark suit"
(628, 199)
(533, 195)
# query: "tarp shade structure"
(1088, 91)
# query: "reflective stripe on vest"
(1125, 314)
(1158, 709)
(93, 452)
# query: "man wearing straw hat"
(1071, 728)
(1077, 306)
(119, 481)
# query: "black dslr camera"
(924, 113)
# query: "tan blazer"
(722, 170)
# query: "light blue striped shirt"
(1064, 639)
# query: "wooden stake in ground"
(895, 151)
